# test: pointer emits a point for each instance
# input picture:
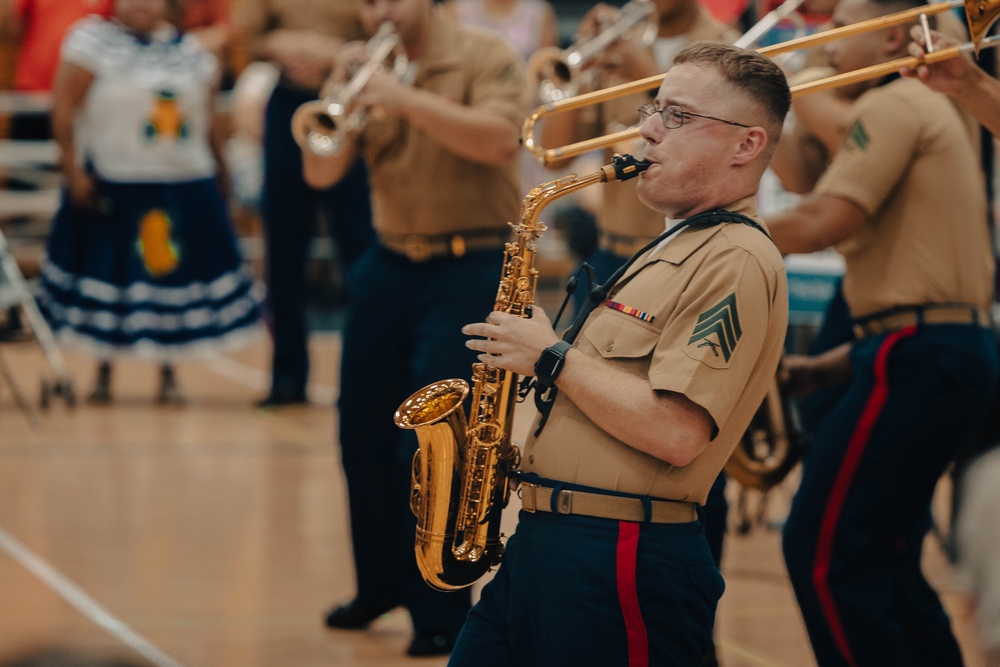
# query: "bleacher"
(29, 183)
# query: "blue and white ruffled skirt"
(158, 275)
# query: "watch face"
(550, 363)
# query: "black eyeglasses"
(674, 117)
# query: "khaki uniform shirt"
(718, 302)
(907, 161)
(338, 18)
(418, 187)
(621, 213)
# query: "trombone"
(980, 15)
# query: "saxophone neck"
(621, 168)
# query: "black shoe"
(14, 334)
(170, 392)
(13, 330)
(426, 644)
(357, 614)
(278, 398)
(101, 394)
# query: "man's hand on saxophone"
(511, 342)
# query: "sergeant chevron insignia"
(857, 138)
(718, 330)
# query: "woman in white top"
(141, 257)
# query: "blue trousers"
(855, 532)
(575, 590)
(403, 332)
(290, 209)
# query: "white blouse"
(145, 117)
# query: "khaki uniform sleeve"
(498, 83)
(710, 347)
(880, 145)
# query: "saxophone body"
(462, 467)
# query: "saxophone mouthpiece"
(625, 167)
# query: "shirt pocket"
(619, 336)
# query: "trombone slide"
(980, 14)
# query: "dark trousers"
(854, 535)
(289, 213)
(836, 329)
(575, 590)
(403, 332)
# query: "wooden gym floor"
(215, 534)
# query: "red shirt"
(203, 13)
(45, 24)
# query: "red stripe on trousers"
(628, 597)
(842, 483)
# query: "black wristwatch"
(550, 363)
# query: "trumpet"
(980, 15)
(557, 74)
(319, 126)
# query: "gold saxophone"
(460, 472)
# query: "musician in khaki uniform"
(609, 564)
(441, 148)
(624, 223)
(301, 38)
(903, 201)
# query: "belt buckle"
(534, 501)
(457, 245)
(564, 502)
(417, 248)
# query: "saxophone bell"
(437, 415)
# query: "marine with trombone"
(644, 399)
(441, 144)
(903, 201)
(974, 475)
(967, 84)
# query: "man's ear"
(754, 141)
(896, 39)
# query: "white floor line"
(82, 602)
(255, 378)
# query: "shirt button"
(610, 346)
